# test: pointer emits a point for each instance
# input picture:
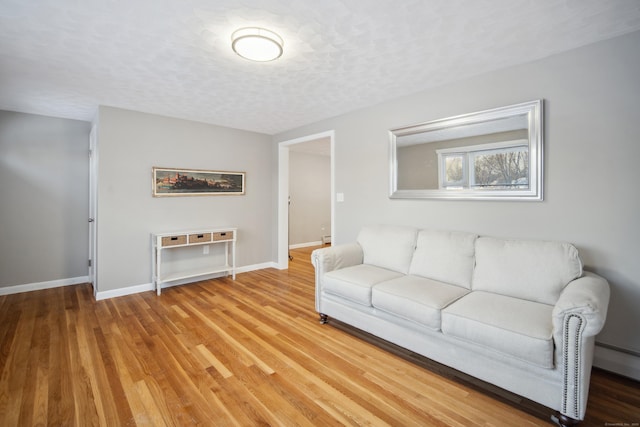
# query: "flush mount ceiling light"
(257, 44)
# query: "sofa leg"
(566, 421)
(323, 318)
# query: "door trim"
(93, 209)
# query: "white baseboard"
(305, 245)
(129, 290)
(16, 289)
(619, 361)
(255, 267)
(120, 292)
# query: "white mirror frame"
(532, 109)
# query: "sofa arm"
(578, 316)
(328, 259)
(333, 258)
(586, 297)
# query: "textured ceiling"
(173, 57)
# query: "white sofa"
(520, 314)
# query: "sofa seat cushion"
(512, 326)
(354, 283)
(416, 298)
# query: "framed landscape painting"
(196, 182)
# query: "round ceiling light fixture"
(257, 44)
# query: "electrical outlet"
(205, 250)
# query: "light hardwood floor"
(238, 353)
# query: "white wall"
(129, 145)
(310, 192)
(44, 204)
(592, 151)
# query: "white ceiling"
(172, 57)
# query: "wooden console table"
(174, 241)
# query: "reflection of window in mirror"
(495, 166)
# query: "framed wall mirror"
(494, 154)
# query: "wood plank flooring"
(238, 353)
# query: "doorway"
(283, 191)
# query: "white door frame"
(283, 192)
(93, 208)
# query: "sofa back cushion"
(446, 256)
(532, 270)
(388, 246)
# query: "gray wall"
(310, 192)
(44, 198)
(129, 145)
(592, 149)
